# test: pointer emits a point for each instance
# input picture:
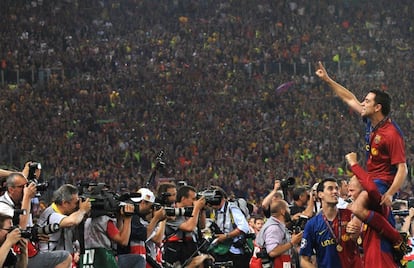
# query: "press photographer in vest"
(17, 200)
(67, 210)
(233, 226)
(134, 254)
(181, 234)
(274, 239)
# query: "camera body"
(163, 199)
(40, 186)
(33, 166)
(285, 183)
(266, 261)
(299, 225)
(32, 233)
(213, 197)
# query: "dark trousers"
(179, 251)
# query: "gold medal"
(359, 240)
(339, 248)
(345, 237)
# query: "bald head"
(277, 206)
(354, 188)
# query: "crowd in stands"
(200, 80)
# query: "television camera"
(106, 202)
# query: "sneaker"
(401, 249)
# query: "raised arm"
(347, 96)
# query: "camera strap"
(273, 221)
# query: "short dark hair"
(297, 192)
(3, 218)
(382, 97)
(183, 191)
(321, 185)
(163, 188)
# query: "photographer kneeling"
(230, 243)
(181, 230)
(274, 239)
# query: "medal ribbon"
(330, 227)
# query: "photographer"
(167, 194)
(68, 211)
(10, 239)
(181, 231)
(99, 234)
(134, 254)
(18, 197)
(233, 229)
(275, 194)
(274, 239)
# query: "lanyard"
(332, 231)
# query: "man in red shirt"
(385, 151)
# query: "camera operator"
(18, 197)
(68, 211)
(233, 227)
(134, 254)
(167, 194)
(181, 232)
(10, 239)
(99, 234)
(274, 239)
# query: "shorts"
(46, 259)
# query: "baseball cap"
(146, 195)
(315, 186)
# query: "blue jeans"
(131, 261)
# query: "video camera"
(32, 233)
(213, 196)
(105, 202)
(163, 199)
